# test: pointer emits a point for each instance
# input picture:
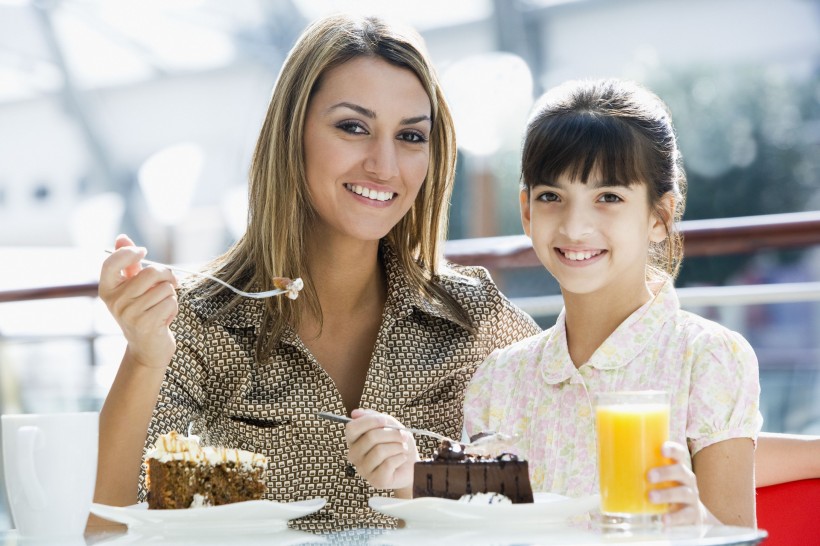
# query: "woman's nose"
(381, 160)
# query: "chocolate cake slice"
(452, 474)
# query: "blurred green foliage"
(750, 146)
(750, 142)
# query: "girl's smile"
(593, 237)
(575, 257)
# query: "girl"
(602, 189)
(349, 188)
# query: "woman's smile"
(371, 194)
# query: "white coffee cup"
(50, 465)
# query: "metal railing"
(746, 234)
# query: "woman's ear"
(524, 200)
(662, 216)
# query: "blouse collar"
(402, 299)
(628, 340)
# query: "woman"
(349, 188)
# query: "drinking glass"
(632, 426)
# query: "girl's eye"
(547, 196)
(352, 127)
(610, 198)
(414, 137)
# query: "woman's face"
(367, 148)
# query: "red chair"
(790, 512)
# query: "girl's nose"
(576, 223)
(381, 160)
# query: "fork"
(420, 431)
(292, 289)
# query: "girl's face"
(367, 148)
(593, 238)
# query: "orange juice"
(630, 436)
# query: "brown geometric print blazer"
(419, 369)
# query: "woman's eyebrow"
(368, 113)
(416, 119)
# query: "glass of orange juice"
(632, 426)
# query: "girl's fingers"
(674, 495)
(674, 450)
(689, 515)
(672, 473)
(681, 493)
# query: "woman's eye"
(610, 198)
(547, 196)
(413, 136)
(352, 127)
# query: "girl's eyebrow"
(610, 184)
(368, 113)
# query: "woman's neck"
(591, 318)
(346, 275)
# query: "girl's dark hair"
(620, 131)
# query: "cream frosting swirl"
(176, 447)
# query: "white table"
(554, 535)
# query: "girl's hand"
(683, 498)
(382, 456)
(142, 301)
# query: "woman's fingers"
(382, 456)
(380, 462)
(125, 241)
(124, 263)
(154, 306)
(143, 301)
(370, 443)
(148, 278)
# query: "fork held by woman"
(284, 285)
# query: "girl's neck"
(592, 318)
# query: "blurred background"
(141, 116)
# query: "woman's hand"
(682, 494)
(384, 457)
(143, 302)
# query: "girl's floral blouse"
(534, 390)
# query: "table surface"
(495, 535)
